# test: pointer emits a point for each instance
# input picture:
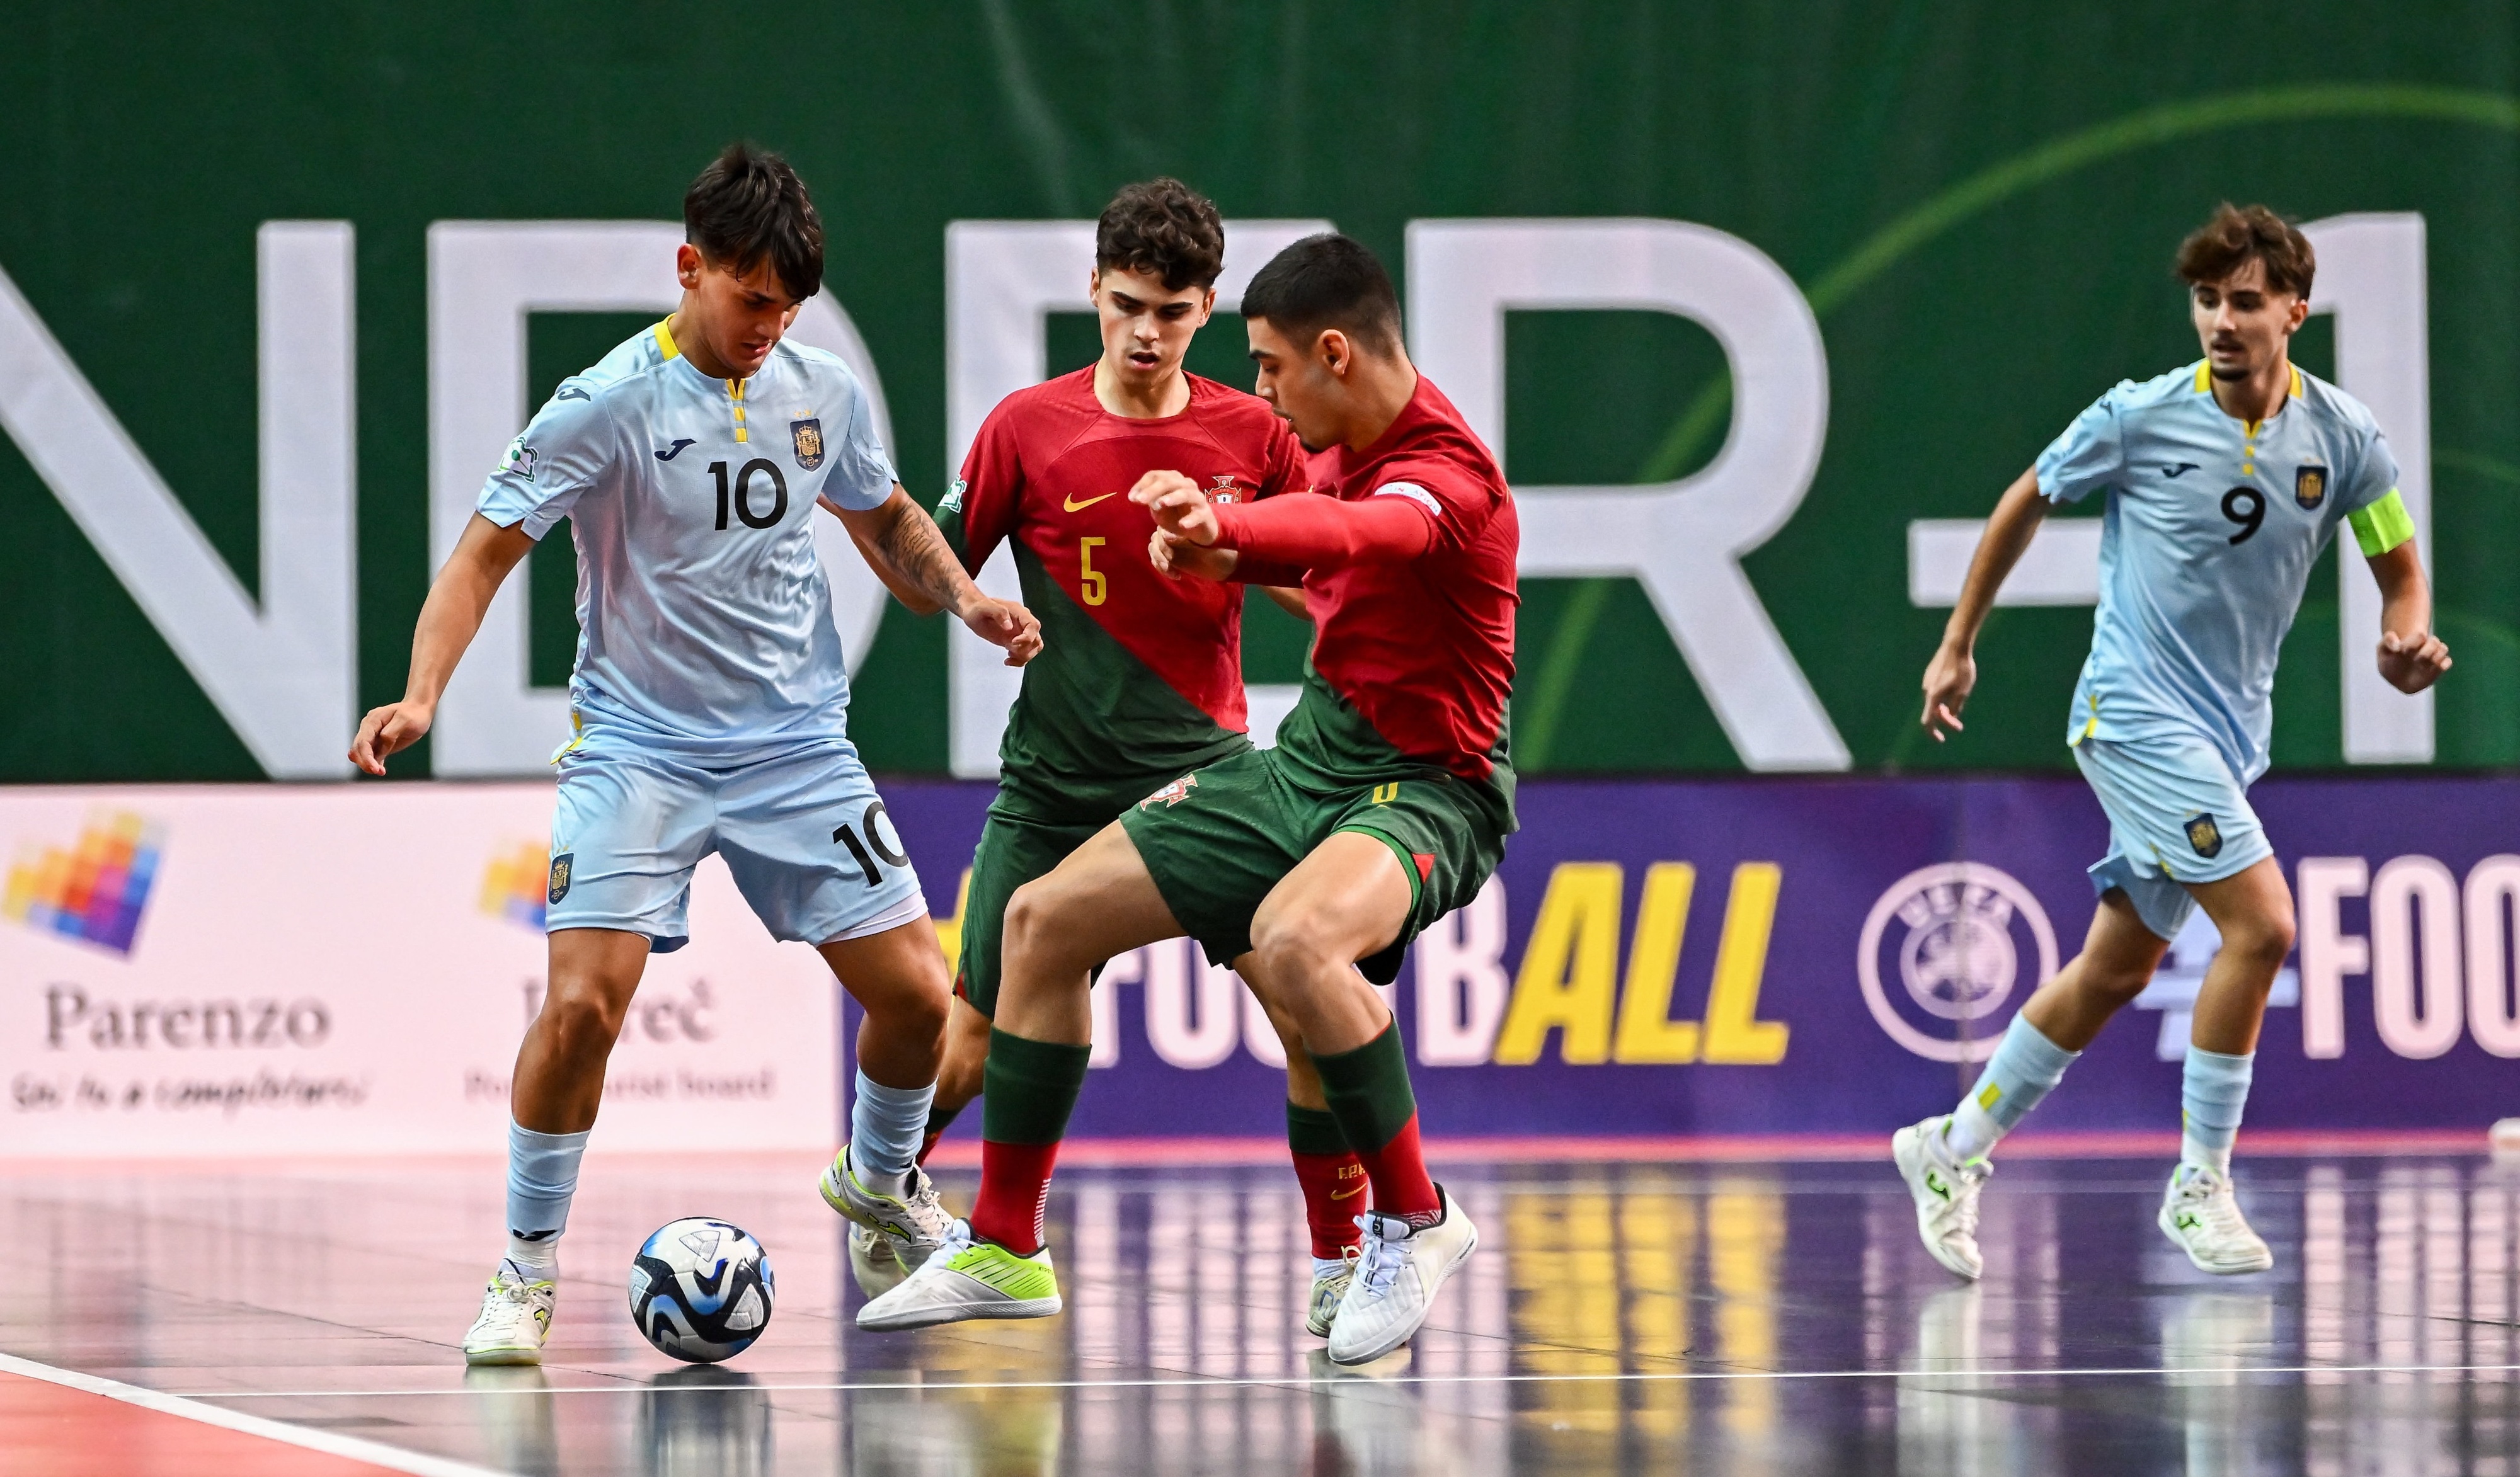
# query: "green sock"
(1029, 1088)
(1368, 1091)
(1314, 1131)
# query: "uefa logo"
(1955, 938)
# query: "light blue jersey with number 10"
(704, 621)
(2207, 543)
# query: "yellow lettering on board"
(1569, 976)
(1647, 1035)
(949, 931)
(1735, 1035)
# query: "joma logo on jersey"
(2204, 835)
(2310, 486)
(1172, 794)
(808, 435)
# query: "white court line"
(1225, 1382)
(331, 1443)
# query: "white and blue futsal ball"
(700, 1290)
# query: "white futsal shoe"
(516, 1317)
(967, 1280)
(872, 1262)
(1330, 1282)
(912, 1224)
(1946, 1195)
(2202, 1218)
(1396, 1279)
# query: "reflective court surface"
(1735, 1317)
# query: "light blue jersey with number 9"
(705, 622)
(2206, 544)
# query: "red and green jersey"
(1140, 679)
(1410, 576)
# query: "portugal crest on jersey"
(2310, 486)
(2204, 835)
(809, 442)
(1172, 794)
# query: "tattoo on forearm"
(918, 550)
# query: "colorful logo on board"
(95, 890)
(511, 885)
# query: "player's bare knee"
(1030, 926)
(2261, 942)
(1292, 949)
(581, 1021)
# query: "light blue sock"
(887, 1125)
(2025, 1066)
(542, 1178)
(2212, 1091)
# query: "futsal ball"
(700, 1290)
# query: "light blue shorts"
(803, 831)
(2176, 815)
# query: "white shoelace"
(1381, 1261)
(2211, 1196)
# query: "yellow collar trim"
(2204, 371)
(666, 339)
(2296, 383)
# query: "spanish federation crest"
(559, 876)
(809, 442)
(2310, 486)
(2204, 835)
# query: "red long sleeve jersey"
(1140, 679)
(1421, 648)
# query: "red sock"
(1015, 1193)
(1398, 1171)
(1333, 1195)
(927, 1145)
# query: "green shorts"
(1218, 839)
(1014, 848)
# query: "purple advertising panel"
(1836, 956)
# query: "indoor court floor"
(1748, 1316)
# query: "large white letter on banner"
(2371, 277)
(1683, 540)
(280, 670)
(485, 278)
(1001, 277)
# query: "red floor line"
(62, 1424)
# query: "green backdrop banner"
(241, 342)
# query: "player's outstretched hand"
(1949, 677)
(2413, 663)
(1174, 557)
(1179, 507)
(1003, 623)
(388, 731)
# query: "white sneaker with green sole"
(911, 1224)
(2201, 1216)
(967, 1280)
(516, 1317)
(1946, 1195)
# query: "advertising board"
(264, 971)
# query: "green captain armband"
(2382, 526)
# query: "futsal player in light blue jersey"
(710, 707)
(2223, 483)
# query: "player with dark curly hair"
(1140, 679)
